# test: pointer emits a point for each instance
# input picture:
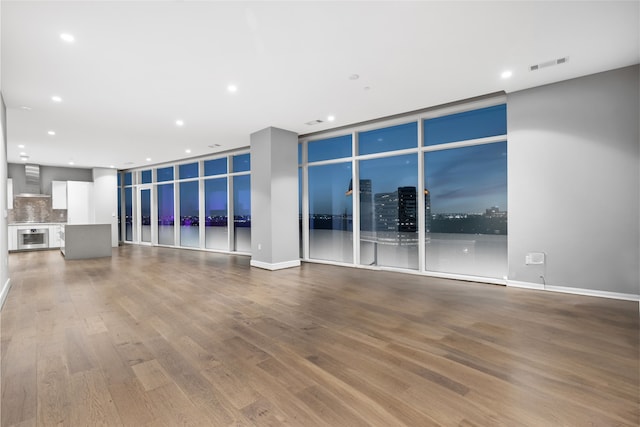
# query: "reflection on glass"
(165, 215)
(242, 213)
(128, 215)
(388, 212)
(145, 215)
(127, 178)
(215, 201)
(466, 210)
(189, 215)
(330, 213)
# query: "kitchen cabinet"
(86, 241)
(13, 237)
(54, 236)
(59, 194)
(10, 193)
(80, 202)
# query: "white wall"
(105, 200)
(574, 178)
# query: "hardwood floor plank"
(165, 337)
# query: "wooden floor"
(165, 337)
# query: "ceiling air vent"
(314, 122)
(549, 63)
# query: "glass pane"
(242, 213)
(127, 178)
(146, 177)
(215, 166)
(330, 213)
(165, 174)
(188, 171)
(300, 212)
(466, 210)
(474, 124)
(215, 202)
(241, 163)
(128, 215)
(119, 175)
(145, 215)
(388, 139)
(189, 215)
(388, 212)
(165, 215)
(300, 153)
(332, 148)
(119, 213)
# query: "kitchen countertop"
(37, 223)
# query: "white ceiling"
(137, 67)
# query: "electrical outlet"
(534, 258)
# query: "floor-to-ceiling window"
(465, 182)
(388, 186)
(198, 194)
(241, 202)
(119, 197)
(189, 206)
(145, 206)
(165, 206)
(330, 199)
(428, 194)
(128, 207)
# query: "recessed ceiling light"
(506, 74)
(232, 88)
(67, 37)
(179, 122)
(112, 167)
(56, 98)
(23, 154)
(51, 132)
(187, 151)
(24, 107)
(21, 146)
(148, 159)
(24, 158)
(330, 118)
(354, 77)
(71, 163)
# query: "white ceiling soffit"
(137, 67)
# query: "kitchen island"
(81, 241)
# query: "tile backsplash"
(35, 209)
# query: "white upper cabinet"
(10, 193)
(59, 194)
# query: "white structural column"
(274, 199)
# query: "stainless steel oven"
(33, 238)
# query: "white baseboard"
(275, 266)
(576, 291)
(5, 292)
